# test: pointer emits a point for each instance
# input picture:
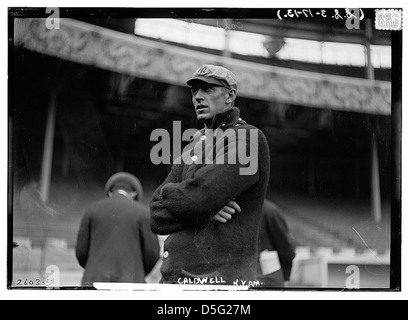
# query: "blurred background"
(86, 96)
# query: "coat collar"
(224, 120)
(227, 118)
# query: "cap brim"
(207, 80)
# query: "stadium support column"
(375, 167)
(375, 180)
(48, 150)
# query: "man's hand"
(226, 213)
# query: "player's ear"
(110, 194)
(232, 94)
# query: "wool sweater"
(184, 206)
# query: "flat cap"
(215, 75)
(124, 178)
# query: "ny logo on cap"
(203, 70)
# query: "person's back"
(115, 243)
(274, 236)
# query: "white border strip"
(164, 287)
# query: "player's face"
(208, 100)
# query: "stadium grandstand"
(86, 96)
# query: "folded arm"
(211, 187)
(162, 221)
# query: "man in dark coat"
(212, 208)
(115, 243)
(275, 236)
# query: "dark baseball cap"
(215, 75)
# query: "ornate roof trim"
(125, 53)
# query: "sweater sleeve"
(214, 185)
(162, 220)
(83, 238)
(279, 234)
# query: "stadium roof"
(125, 53)
(318, 30)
